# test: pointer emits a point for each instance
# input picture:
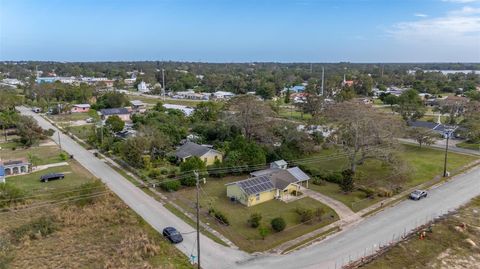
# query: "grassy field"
(247, 238)
(448, 246)
(82, 132)
(69, 117)
(152, 100)
(424, 164)
(466, 145)
(45, 154)
(75, 175)
(78, 231)
(293, 114)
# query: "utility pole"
(323, 78)
(446, 154)
(59, 140)
(198, 219)
(163, 84)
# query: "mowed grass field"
(214, 195)
(424, 164)
(46, 154)
(76, 222)
(448, 246)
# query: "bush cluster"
(278, 224)
(219, 216)
(170, 186)
(254, 220)
(305, 214)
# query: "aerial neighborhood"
(275, 165)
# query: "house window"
(257, 196)
(216, 157)
(205, 160)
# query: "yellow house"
(266, 185)
(205, 153)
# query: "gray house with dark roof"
(122, 113)
(205, 153)
(268, 184)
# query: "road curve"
(362, 237)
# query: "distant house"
(185, 109)
(138, 106)
(222, 95)
(277, 182)
(80, 108)
(142, 87)
(16, 167)
(123, 113)
(436, 127)
(205, 153)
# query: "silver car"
(418, 194)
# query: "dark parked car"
(418, 194)
(51, 176)
(172, 235)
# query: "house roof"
(280, 163)
(255, 185)
(82, 105)
(14, 162)
(114, 111)
(192, 149)
(423, 124)
(269, 179)
(298, 174)
(137, 103)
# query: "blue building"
(2, 174)
(41, 80)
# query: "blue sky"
(241, 30)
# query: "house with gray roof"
(122, 112)
(273, 183)
(204, 152)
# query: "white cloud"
(454, 34)
(461, 1)
(421, 15)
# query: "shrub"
(42, 226)
(254, 220)
(221, 217)
(154, 173)
(9, 194)
(319, 212)
(278, 224)
(188, 181)
(382, 192)
(347, 182)
(63, 156)
(318, 181)
(369, 193)
(334, 177)
(263, 231)
(170, 186)
(304, 213)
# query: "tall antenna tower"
(323, 79)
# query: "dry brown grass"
(106, 234)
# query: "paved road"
(440, 144)
(148, 208)
(362, 237)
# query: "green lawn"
(83, 132)
(424, 164)
(466, 145)
(247, 238)
(45, 154)
(69, 117)
(75, 175)
(293, 114)
(152, 100)
(355, 200)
